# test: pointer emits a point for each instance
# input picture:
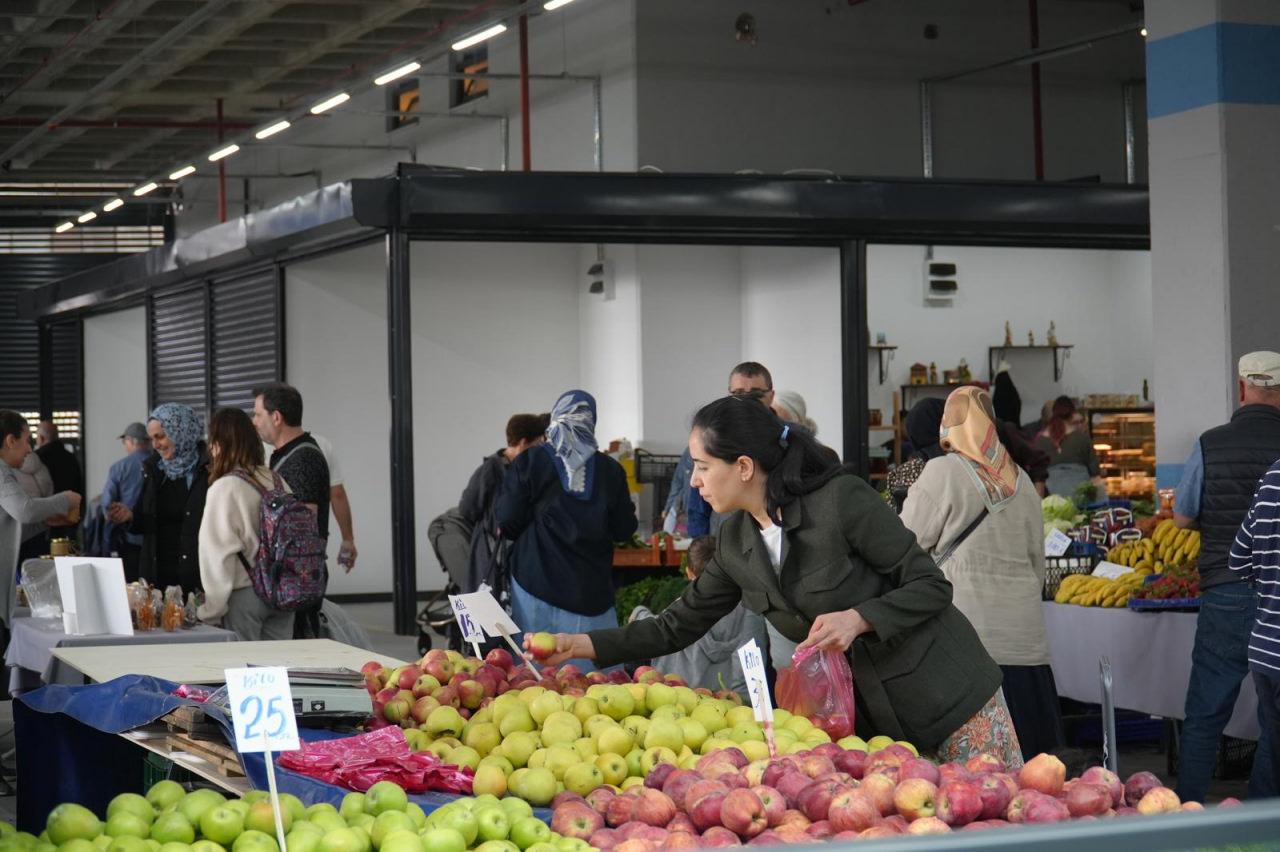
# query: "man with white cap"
(1214, 496)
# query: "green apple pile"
(535, 743)
(168, 819)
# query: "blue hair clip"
(786, 430)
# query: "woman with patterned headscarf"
(978, 515)
(563, 505)
(175, 478)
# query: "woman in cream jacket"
(229, 530)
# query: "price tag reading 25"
(262, 709)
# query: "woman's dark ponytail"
(794, 461)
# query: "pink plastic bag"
(819, 686)
(357, 763)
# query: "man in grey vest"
(1214, 496)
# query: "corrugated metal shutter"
(66, 340)
(177, 348)
(246, 338)
(19, 342)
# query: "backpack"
(290, 571)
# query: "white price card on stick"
(1056, 543)
(467, 623)
(262, 709)
(1111, 570)
(489, 614)
(752, 661)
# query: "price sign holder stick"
(769, 738)
(475, 646)
(519, 651)
(271, 785)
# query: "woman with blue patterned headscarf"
(563, 505)
(171, 504)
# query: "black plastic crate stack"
(656, 470)
(1080, 558)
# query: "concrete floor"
(376, 619)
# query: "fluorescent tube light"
(223, 152)
(272, 130)
(396, 74)
(552, 5)
(65, 226)
(146, 187)
(483, 35)
(113, 204)
(182, 172)
(340, 98)
(86, 217)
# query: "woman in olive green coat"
(825, 560)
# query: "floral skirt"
(990, 731)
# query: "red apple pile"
(406, 696)
(829, 792)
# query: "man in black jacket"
(64, 469)
(1214, 496)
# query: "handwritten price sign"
(262, 709)
(467, 623)
(757, 686)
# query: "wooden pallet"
(193, 722)
(223, 758)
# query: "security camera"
(745, 28)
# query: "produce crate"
(1080, 558)
(154, 769)
(653, 556)
(656, 470)
(1234, 760)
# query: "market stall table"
(1150, 655)
(31, 661)
(206, 663)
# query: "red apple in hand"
(542, 645)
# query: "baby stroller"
(450, 535)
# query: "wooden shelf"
(1054, 348)
(881, 349)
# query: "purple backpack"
(289, 573)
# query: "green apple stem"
(271, 785)
(519, 651)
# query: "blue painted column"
(1213, 90)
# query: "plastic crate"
(154, 769)
(651, 467)
(1080, 558)
(1234, 759)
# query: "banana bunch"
(1174, 546)
(1168, 546)
(1087, 590)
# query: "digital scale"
(329, 697)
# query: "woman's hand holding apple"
(553, 650)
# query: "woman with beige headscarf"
(978, 515)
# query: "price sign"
(1111, 570)
(1056, 543)
(757, 686)
(489, 614)
(262, 709)
(471, 631)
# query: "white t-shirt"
(781, 648)
(335, 472)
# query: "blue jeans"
(1219, 662)
(1268, 685)
(531, 614)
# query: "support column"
(853, 343)
(1213, 105)
(404, 559)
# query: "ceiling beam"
(206, 11)
(371, 20)
(28, 28)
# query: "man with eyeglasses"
(749, 379)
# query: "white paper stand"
(94, 601)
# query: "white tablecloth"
(1150, 656)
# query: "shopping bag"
(819, 685)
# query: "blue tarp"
(69, 751)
